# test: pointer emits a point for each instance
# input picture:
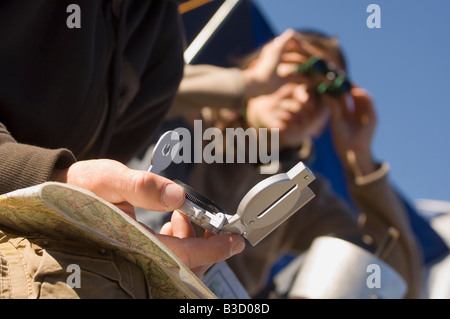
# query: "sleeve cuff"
(25, 165)
(380, 173)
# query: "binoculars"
(336, 82)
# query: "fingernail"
(172, 196)
(238, 246)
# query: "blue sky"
(405, 65)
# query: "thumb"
(116, 183)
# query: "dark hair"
(326, 43)
(316, 38)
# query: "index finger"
(152, 192)
(198, 252)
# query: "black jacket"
(95, 91)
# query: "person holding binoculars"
(305, 90)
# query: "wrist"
(59, 175)
(360, 163)
(253, 87)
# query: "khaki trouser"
(32, 267)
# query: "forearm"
(206, 85)
(382, 207)
(373, 192)
(359, 164)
